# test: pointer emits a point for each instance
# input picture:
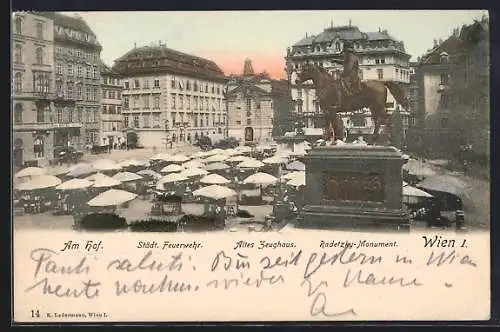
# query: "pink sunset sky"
(228, 37)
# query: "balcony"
(34, 95)
(62, 99)
(33, 126)
(60, 125)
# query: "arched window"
(18, 25)
(18, 113)
(18, 53)
(38, 147)
(444, 58)
(39, 55)
(18, 82)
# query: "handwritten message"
(300, 276)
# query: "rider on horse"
(350, 80)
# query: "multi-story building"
(381, 57)
(169, 96)
(111, 121)
(32, 87)
(453, 92)
(254, 102)
(77, 82)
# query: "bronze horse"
(373, 95)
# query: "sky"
(228, 37)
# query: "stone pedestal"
(354, 187)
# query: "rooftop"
(147, 59)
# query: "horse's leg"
(376, 128)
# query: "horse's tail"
(399, 94)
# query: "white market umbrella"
(81, 169)
(214, 179)
(298, 180)
(296, 166)
(131, 162)
(74, 184)
(105, 165)
(40, 182)
(216, 158)
(215, 192)
(172, 168)
(250, 163)
(237, 159)
(418, 168)
(231, 152)
(244, 149)
(199, 154)
(103, 181)
(195, 163)
(276, 160)
(112, 197)
(415, 192)
(126, 177)
(190, 172)
(172, 177)
(216, 167)
(30, 171)
(150, 173)
(284, 153)
(293, 175)
(405, 183)
(214, 152)
(178, 158)
(58, 170)
(261, 179)
(161, 156)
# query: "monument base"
(354, 219)
(354, 187)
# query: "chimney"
(378, 29)
(435, 42)
(135, 45)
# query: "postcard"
(250, 166)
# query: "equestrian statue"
(349, 93)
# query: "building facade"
(77, 82)
(452, 81)
(381, 57)
(254, 103)
(111, 121)
(169, 96)
(32, 87)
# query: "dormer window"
(444, 58)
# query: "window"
(172, 84)
(299, 106)
(195, 86)
(382, 60)
(135, 101)
(18, 113)
(206, 88)
(127, 85)
(249, 122)
(188, 102)
(444, 79)
(71, 71)
(188, 85)
(156, 101)
(213, 89)
(80, 71)
(70, 115)
(377, 61)
(39, 55)
(126, 100)
(39, 30)
(79, 91)
(95, 94)
(157, 84)
(18, 25)
(380, 74)
(257, 105)
(136, 84)
(444, 122)
(78, 52)
(145, 99)
(18, 53)
(146, 84)
(146, 119)
(79, 114)
(89, 72)
(59, 87)
(173, 96)
(69, 89)
(18, 82)
(181, 101)
(38, 147)
(218, 90)
(444, 59)
(136, 121)
(96, 74)
(59, 115)
(95, 115)
(59, 68)
(125, 121)
(156, 120)
(87, 93)
(249, 104)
